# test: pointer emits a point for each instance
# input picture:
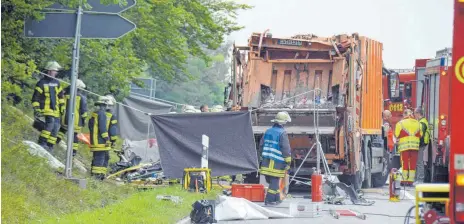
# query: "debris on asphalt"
(175, 199)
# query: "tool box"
(251, 192)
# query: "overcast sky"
(408, 29)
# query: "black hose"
(406, 218)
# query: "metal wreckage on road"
(330, 85)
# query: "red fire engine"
(456, 170)
(399, 92)
(434, 90)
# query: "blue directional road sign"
(97, 7)
(93, 26)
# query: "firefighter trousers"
(408, 163)
(47, 138)
(273, 191)
(62, 135)
(100, 164)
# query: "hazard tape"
(459, 69)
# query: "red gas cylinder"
(316, 187)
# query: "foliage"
(207, 83)
(168, 31)
(142, 207)
(31, 190)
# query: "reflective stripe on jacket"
(275, 152)
(408, 132)
(425, 139)
(48, 97)
(271, 147)
(80, 111)
(98, 131)
(112, 125)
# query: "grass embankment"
(34, 193)
(142, 207)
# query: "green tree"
(168, 33)
(206, 83)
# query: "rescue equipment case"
(251, 192)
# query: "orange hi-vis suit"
(408, 133)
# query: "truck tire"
(366, 159)
(380, 179)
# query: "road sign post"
(100, 22)
(72, 100)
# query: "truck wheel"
(379, 179)
(365, 160)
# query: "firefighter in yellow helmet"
(424, 142)
(100, 143)
(80, 113)
(408, 133)
(276, 156)
(47, 101)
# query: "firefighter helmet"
(111, 100)
(190, 109)
(282, 118)
(217, 108)
(102, 100)
(80, 84)
(52, 66)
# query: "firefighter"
(80, 114)
(112, 121)
(275, 156)
(47, 101)
(100, 139)
(387, 130)
(408, 133)
(423, 144)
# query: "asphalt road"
(383, 211)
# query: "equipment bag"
(203, 212)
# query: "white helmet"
(217, 108)
(282, 118)
(80, 84)
(111, 100)
(102, 100)
(189, 109)
(52, 66)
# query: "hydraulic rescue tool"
(395, 185)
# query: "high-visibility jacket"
(80, 110)
(112, 124)
(48, 96)
(275, 152)
(387, 133)
(98, 126)
(408, 133)
(425, 139)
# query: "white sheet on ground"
(37, 150)
(230, 208)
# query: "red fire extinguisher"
(395, 185)
(316, 187)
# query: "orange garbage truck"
(331, 86)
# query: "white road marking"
(412, 198)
